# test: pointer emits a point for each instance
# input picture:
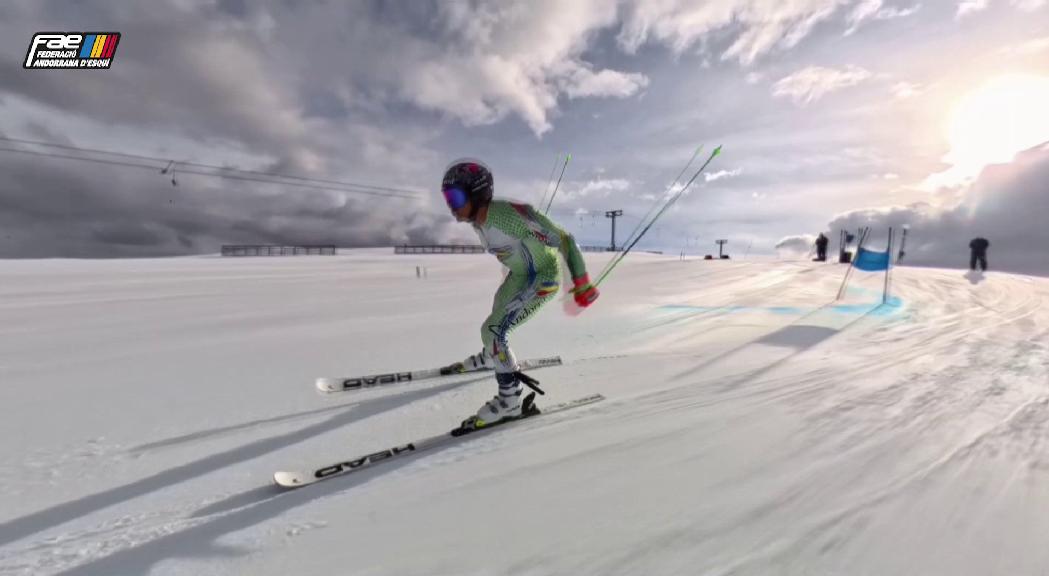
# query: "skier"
(821, 248)
(527, 243)
(978, 253)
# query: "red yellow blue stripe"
(99, 45)
(89, 44)
(546, 289)
(111, 45)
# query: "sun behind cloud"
(990, 125)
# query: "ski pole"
(619, 258)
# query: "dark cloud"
(130, 233)
(236, 8)
(50, 209)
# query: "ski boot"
(474, 423)
(507, 404)
(473, 363)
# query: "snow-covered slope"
(752, 425)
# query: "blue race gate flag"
(871, 261)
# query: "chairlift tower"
(613, 214)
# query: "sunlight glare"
(991, 125)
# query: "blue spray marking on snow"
(892, 306)
(733, 309)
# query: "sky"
(831, 113)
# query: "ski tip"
(541, 363)
(327, 385)
(289, 479)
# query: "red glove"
(585, 292)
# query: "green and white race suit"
(527, 243)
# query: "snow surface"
(752, 425)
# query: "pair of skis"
(298, 478)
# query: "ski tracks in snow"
(815, 441)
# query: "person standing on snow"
(527, 243)
(821, 248)
(978, 253)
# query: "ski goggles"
(455, 198)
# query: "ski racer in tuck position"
(527, 243)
